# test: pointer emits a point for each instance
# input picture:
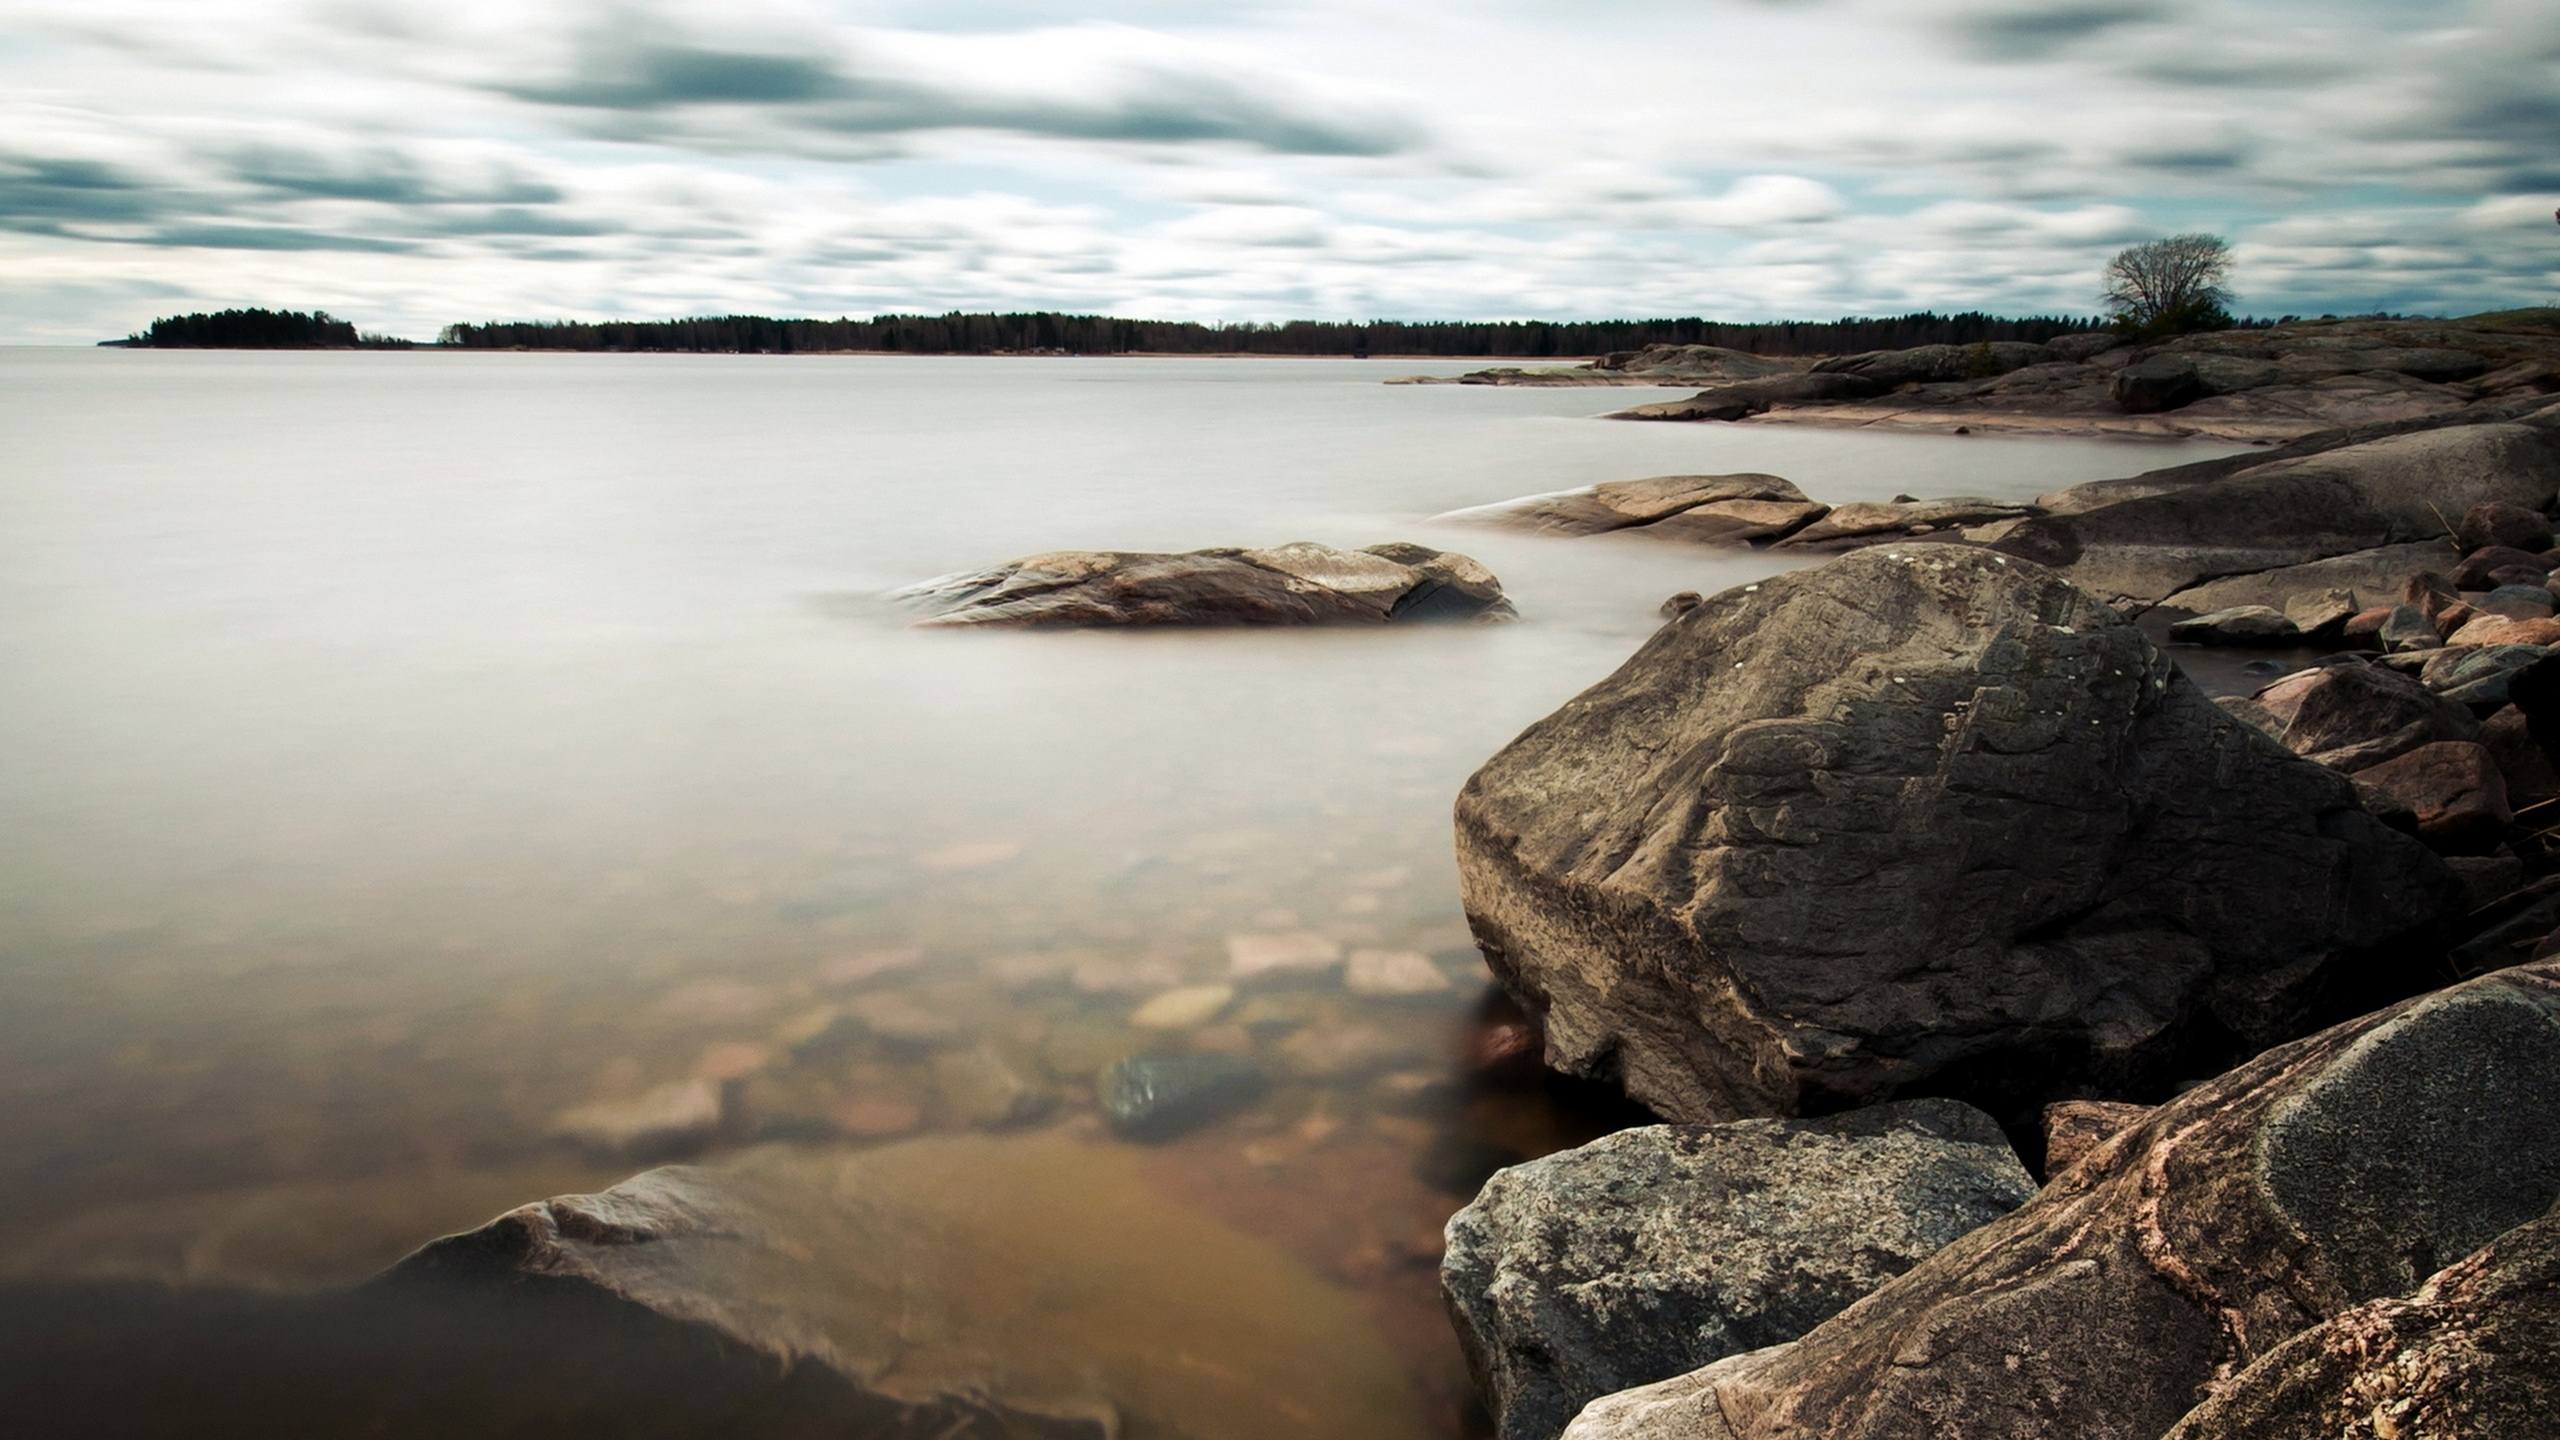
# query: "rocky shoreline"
(2263, 386)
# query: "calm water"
(406, 749)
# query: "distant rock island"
(254, 329)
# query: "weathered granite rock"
(2518, 602)
(1872, 522)
(1297, 584)
(2391, 491)
(2073, 1128)
(2479, 630)
(2454, 789)
(2408, 628)
(1028, 1286)
(1653, 1251)
(2474, 1353)
(2351, 715)
(1745, 398)
(1924, 813)
(2486, 569)
(2480, 678)
(1154, 1097)
(1708, 509)
(2239, 625)
(1923, 364)
(2367, 577)
(2324, 1175)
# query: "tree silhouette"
(2171, 286)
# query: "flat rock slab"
(1653, 1251)
(1296, 584)
(999, 1287)
(2323, 1176)
(1924, 814)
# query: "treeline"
(255, 329)
(1039, 332)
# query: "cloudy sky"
(404, 164)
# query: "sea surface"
(405, 751)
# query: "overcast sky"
(406, 164)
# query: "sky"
(404, 165)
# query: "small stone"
(1681, 604)
(1153, 1097)
(1184, 1009)
(1283, 954)
(1393, 972)
(668, 1119)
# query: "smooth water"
(403, 749)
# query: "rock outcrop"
(1651, 1252)
(1709, 509)
(1926, 813)
(1296, 584)
(2170, 1268)
(988, 1287)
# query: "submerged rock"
(1924, 814)
(1297, 584)
(991, 1287)
(667, 1120)
(2323, 1176)
(1154, 1097)
(1656, 1250)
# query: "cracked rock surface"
(1295, 584)
(1926, 814)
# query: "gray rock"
(1746, 398)
(1923, 364)
(2147, 544)
(2367, 577)
(1155, 1097)
(2407, 628)
(2082, 348)
(1026, 1286)
(2322, 1176)
(1872, 522)
(2149, 386)
(2481, 677)
(1925, 814)
(2518, 602)
(1653, 1251)
(1297, 584)
(2239, 625)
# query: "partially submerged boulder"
(1710, 509)
(2323, 1176)
(1653, 1251)
(1928, 814)
(993, 1287)
(1296, 584)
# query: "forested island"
(256, 329)
(1045, 332)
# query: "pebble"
(1280, 953)
(1184, 1009)
(1393, 972)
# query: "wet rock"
(2162, 382)
(1393, 972)
(2322, 1176)
(668, 1119)
(2455, 790)
(1155, 1097)
(1345, 1050)
(1296, 584)
(2073, 1128)
(1941, 818)
(2470, 1354)
(1654, 1251)
(1067, 1295)
(982, 1088)
(1301, 954)
(2494, 522)
(2240, 625)
(1708, 509)
(1184, 1009)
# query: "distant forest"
(257, 330)
(1046, 333)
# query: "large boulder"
(1653, 1251)
(2352, 714)
(1296, 584)
(1712, 509)
(2398, 490)
(1925, 814)
(2323, 1176)
(991, 1287)
(2155, 383)
(2476, 1352)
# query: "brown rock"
(2495, 522)
(2502, 630)
(2073, 1128)
(2455, 790)
(2479, 569)
(2522, 762)
(2351, 715)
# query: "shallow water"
(407, 748)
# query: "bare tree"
(2176, 283)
